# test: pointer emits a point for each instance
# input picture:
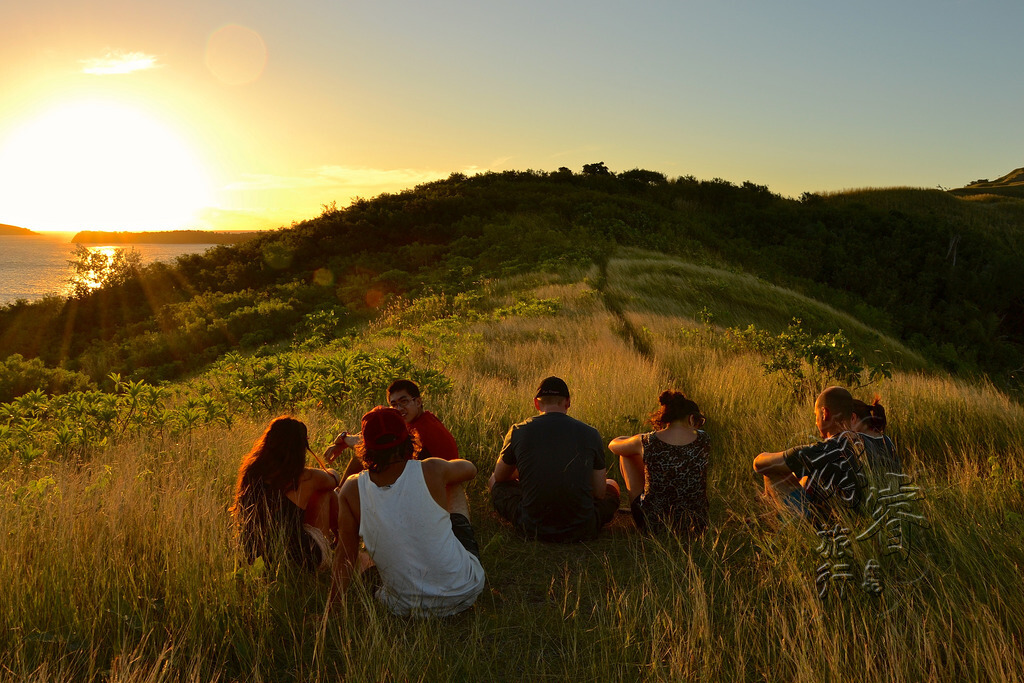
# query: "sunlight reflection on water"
(33, 266)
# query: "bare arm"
(772, 465)
(458, 471)
(502, 472)
(440, 475)
(340, 443)
(347, 553)
(626, 446)
(599, 483)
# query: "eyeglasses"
(401, 402)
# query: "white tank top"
(424, 568)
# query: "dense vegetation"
(119, 560)
(940, 273)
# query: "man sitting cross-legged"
(549, 480)
(805, 478)
(413, 518)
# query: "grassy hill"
(1010, 186)
(119, 561)
(939, 274)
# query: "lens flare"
(236, 55)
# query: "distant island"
(162, 237)
(15, 230)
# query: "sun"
(102, 166)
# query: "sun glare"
(102, 166)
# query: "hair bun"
(666, 397)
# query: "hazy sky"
(157, 114)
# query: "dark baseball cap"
(553, 386)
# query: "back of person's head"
(386, 439)
(871, 416)
(553, 391)
(406, 385)
(839, 402)
(274, 464)
(675, 406)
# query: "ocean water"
(33, 266)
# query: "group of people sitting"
(403, 492)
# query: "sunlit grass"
(126, 568)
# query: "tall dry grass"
(125, 568)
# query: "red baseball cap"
(383, 428)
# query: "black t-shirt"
(831, 468)
(880, 454)
(556, 456)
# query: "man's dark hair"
(406, 385)
(838, 401)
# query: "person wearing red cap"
(434, 438)
(549, 480)
(414, 520)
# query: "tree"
(95, 268)
(596, 169)
(644, 177)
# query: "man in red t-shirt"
(435, 439)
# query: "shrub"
(809, 362)
(19, 376)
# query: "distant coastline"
(161, 237)
(15, 230)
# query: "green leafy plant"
(808, 362)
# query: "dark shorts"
(463, 531)
(507, 498)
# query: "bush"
(808, 362)
(19, 376)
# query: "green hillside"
(119, 559)
(1010, 186)
(939, 274)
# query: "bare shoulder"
(448, 470)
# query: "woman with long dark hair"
(283, 507)
(666, 469)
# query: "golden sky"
(135, 115)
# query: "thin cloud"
(118, 62)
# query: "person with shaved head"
(811, 477)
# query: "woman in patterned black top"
(666, 470)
